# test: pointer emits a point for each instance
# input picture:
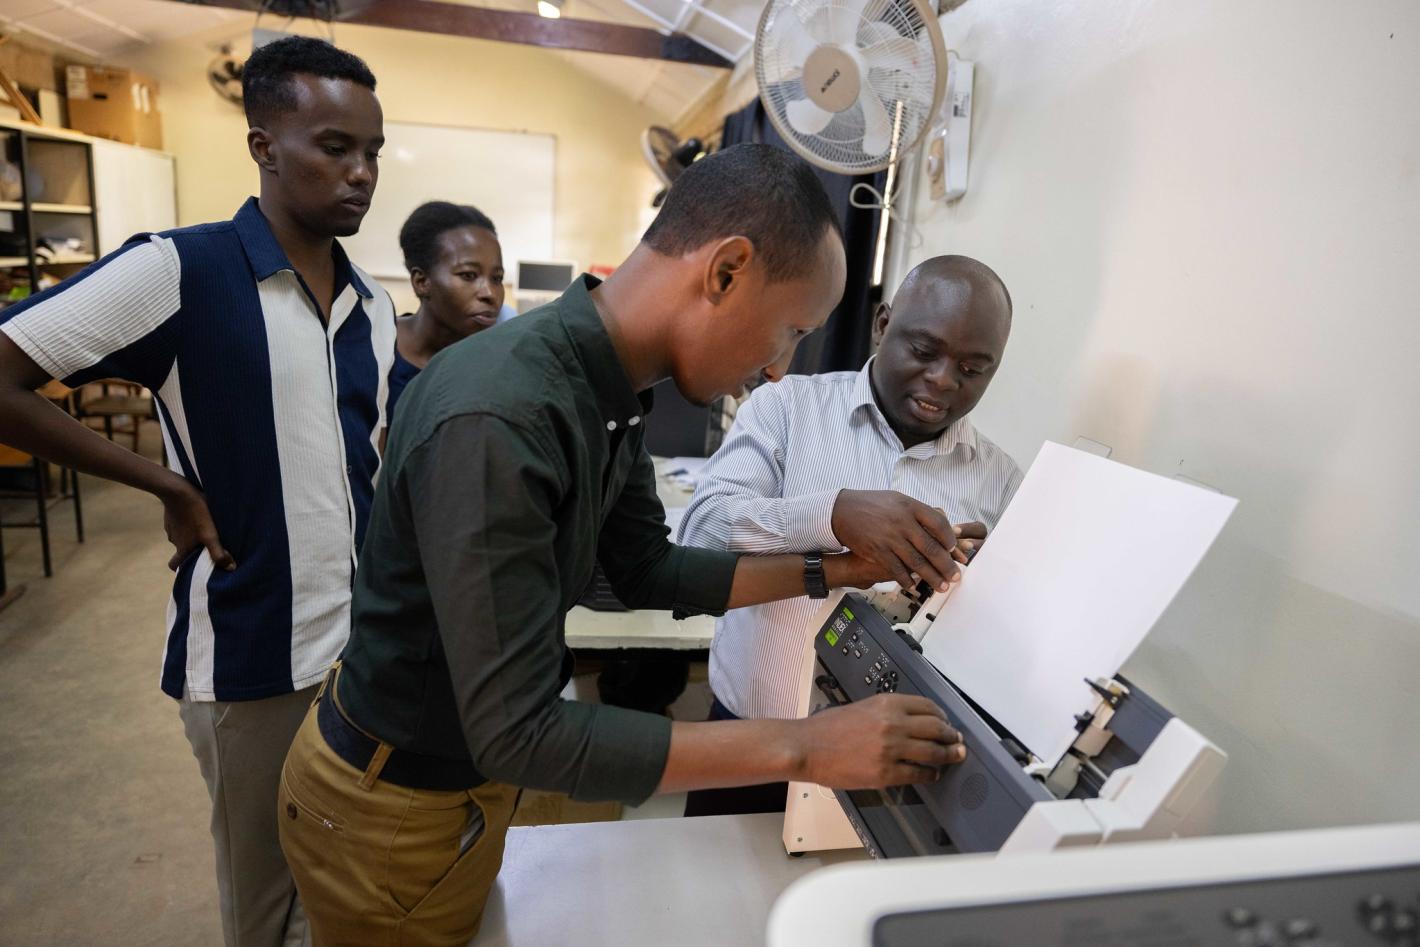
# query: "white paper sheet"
(1084, 561)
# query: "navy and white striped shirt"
(771, 488)
(273, 415)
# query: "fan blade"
(814, 22)
(877, 127)
(799, 41)
(895, 53)
(807, 118)
(845, 17)
(877, 32)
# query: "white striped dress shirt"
(771, 489)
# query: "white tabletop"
(588, 629)
(688, 882)
(592, 630)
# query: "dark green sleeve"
(482, 493)
(647, 570)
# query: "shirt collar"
(267, 258)
(617, 401)
(961, 432)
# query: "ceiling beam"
(506, 26)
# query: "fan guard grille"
(910, 95)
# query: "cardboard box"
(114, 103)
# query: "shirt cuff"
(627, 756)
(808, 522)
(704, 581)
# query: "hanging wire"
(886, 203)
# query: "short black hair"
(266, 77)
(757, 191)
(423, 228)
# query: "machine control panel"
(1379, 907)
(972, 806)
(877, 667)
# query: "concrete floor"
(104, 836)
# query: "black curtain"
(843, 343)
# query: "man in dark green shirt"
(516, 462)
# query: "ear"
(880, 322)
(419, 282)
(727, 266)
(259, 145)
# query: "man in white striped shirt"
(817, 463)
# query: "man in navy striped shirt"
(817, 463)
(269, 353)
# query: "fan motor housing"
(833, 78)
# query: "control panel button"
(1378, 924)
(1299, 928)
(1374, 904)
(1238, 918)
(1267, 934)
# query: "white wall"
(1208, 213)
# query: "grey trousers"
(240, 747)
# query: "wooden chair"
(111, 399)
(13, 459)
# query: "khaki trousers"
(240, 747)
(380, 864)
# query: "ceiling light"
(551, 9)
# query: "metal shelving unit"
(57, 202)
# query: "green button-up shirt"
(515, 461)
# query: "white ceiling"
(98, 29)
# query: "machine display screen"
(835, 628)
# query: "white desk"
(596, 631)
(589, 630)
(653, 882)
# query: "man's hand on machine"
(898, 537)
(970, 536)
(885, 740)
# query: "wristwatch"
(814, 582)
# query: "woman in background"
(456, 270)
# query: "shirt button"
(290, 810)
(611, 425)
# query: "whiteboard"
(507, 175)
(134, 192)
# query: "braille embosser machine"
(1132, 769)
